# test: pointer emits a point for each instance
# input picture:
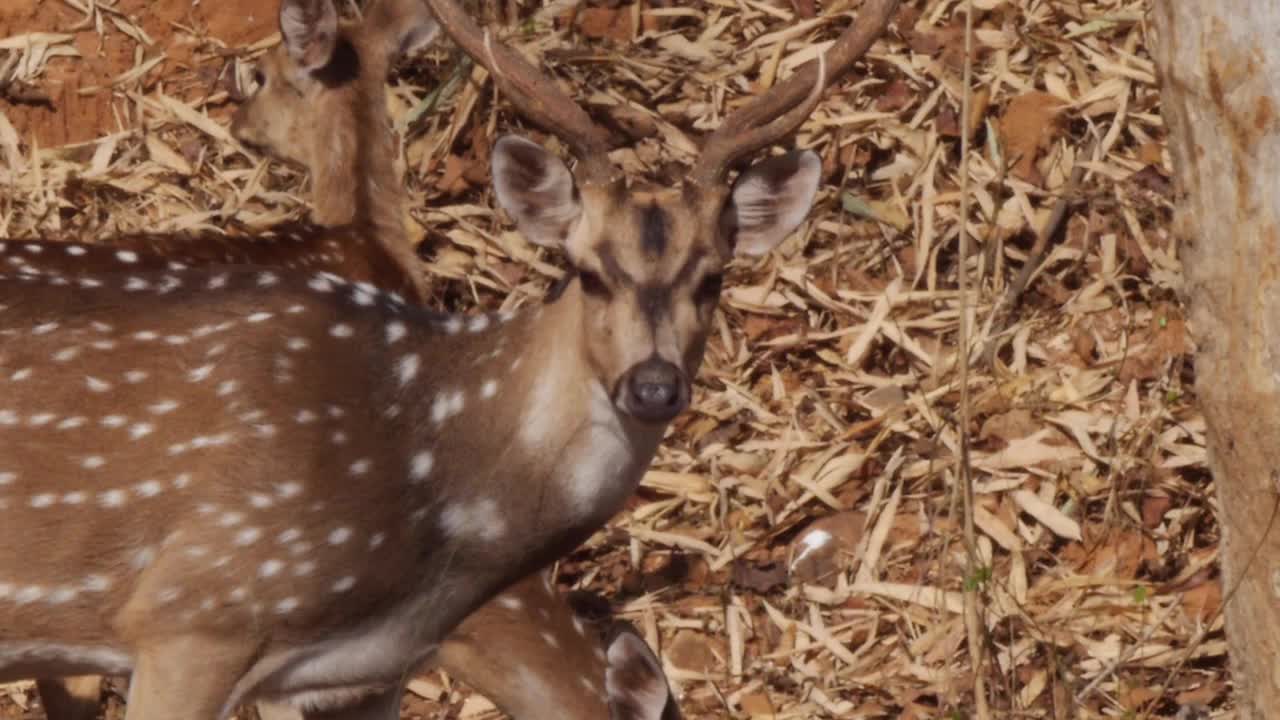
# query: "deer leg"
(381, 705)
(186, 678)
(70, 698)
(277, 711)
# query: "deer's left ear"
(770, 200)
(634, 680)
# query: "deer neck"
(355, 183)
(532, 432)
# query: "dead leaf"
(614, 24)
(694, 651)
(761, 577)
(1029, 124)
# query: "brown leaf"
(607, 23)
(694, 652)
(1203, 601)
(1029, 124)
(1153, 509)
(1013, 425)
(758, 705)
(761, 577)
(825, 547)
(451, 181)
(805, 8)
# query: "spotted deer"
(337, 130)
(320, 102)
(289, 486)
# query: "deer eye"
(593, 284)
(709, 288)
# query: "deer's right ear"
(310, 31)
(403, 26)
(634, 681)
(537, 189)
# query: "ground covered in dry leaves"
(831, 395)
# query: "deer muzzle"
(654, 391)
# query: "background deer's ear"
(310, 31)
(403, 27)
(634, 681)
(770, 200)
(537, 189)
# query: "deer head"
(647, 264)
(319, 100)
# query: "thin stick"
(972, 598)
(1013, 295)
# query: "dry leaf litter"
(797, 550)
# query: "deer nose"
(656, 390)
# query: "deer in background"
(308, 501)
(323, 108)
(339, 130)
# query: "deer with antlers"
(293, 498)
(334, 128)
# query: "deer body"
(288, 448)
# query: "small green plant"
(980, 577)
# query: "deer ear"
(536, 189)
(634, 681)
(310, 31)
(770, 200)
(404, 27)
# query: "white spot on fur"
(43, 500)
(270, 568)
(149, 489)
(111, 498)
(479, 518)
(446, 405)
(127, 256)
(489, 389)
(341, 330)
(163, 407)
(395, 331)
(407, 369)
(339, 536)
(344, 584)
(420, 466)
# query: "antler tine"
(784, 108)
(533, 93)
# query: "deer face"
(648, 264)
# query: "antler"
(535, 95)
(782, 109)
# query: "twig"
(1019, 285)
(972, 598)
